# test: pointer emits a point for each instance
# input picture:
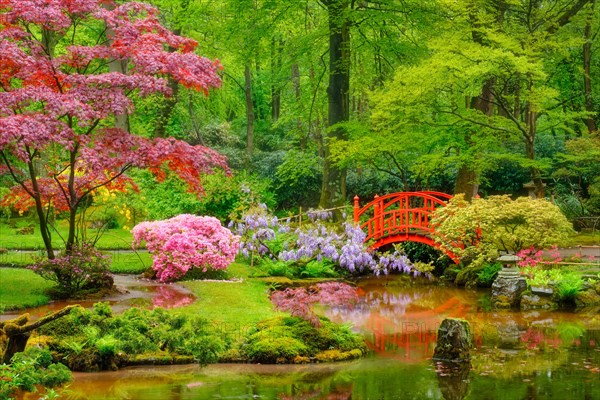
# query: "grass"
(129, 262)
(232, 305)
(17, 259)
(122, 262)
(112, 239)
(586, 238)
(21, 288)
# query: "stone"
(507, 288)
(587, 298)
(454, 341)
(532, 301)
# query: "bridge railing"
(398, 213)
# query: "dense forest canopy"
(324, 99)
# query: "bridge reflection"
(402, 323)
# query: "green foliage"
(283, 339)
(319, 269)
(476, 231)
(419, 252)
(568, 287)
(223, 196)
(269, 267)
(30, 369)
(489, 273)
(542, 277)
(103, 337)
(297, 269)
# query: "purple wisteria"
(318, 240)
(256, 229)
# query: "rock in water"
(453, 341)
(508, 288)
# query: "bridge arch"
(400, 217)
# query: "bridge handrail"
(437, 197)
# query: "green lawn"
(232, 305)
(586, 238)
(129, 262)
(13, 237)
(21, 288)
(17, 259)
(122, 262)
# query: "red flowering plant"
(60, 95)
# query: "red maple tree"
(58, 99)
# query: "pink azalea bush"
(184, 242)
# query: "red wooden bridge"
(400, 217)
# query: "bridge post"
(356, 210)
(376, 212)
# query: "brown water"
(517, 355)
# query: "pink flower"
(185, 242)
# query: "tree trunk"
(276, 50)
(166, 110)
(466, 182)
(587, 75)
(73, 202)
(467, 178)
(120, 66)
(164, 115)
(39, 209)
(298, 95)
(18, 333)
(333, 188)
(249, 115)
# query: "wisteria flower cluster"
(256, 228)
(185, 242)
(315, 215)
(300, 301)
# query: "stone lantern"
(509, 285)
(509, 264)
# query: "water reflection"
(530, 355)
(131, 292)
(453, 379)
(402, 322)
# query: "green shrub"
(29, 369)
(95, 344)
(107, 346)
(291, 338)
(318, 269)
(275, 349)
(81, 269)
(475, 231)
(568, 287)
(488, 274)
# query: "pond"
(517, 355)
